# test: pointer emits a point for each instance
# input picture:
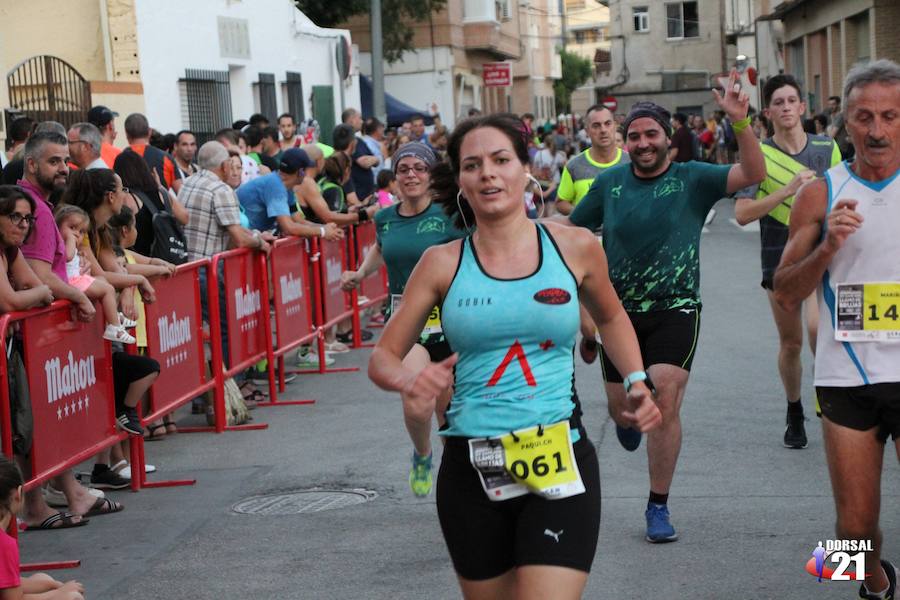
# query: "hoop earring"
(461, 213)
(540, 193)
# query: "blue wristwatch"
(634, 378)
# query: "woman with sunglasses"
(403, 232)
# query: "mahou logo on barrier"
(333, 270)
(247, 304)
(174, 338)
(68, 380)
(291, 292)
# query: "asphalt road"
(749, 512)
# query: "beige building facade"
(588, 35)
(668, 52)
(825, 38)
(444, 71)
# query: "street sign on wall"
(497, 74)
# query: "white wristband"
(321, 231)
(634, 378)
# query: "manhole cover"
(308, 501)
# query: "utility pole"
(378, 105)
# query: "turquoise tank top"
(515, 339)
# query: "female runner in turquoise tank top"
(518, 492)
(403, 232)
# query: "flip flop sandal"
(65, 520)
(167, 423)
(104, 506)
(152, 436)
(256, 396)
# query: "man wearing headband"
(652, 212)
(404, 231)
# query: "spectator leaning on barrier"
(267, 199)
(45, 169)
(84, 146)
(314, 205)
(137, 131)
(255, 148)
(105, 120)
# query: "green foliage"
(396, 18)
(576, 71)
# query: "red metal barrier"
(374, 287)
(70, 380)
(289, 264)
(249, 328)
(332, 304)
(175, 340)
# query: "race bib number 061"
(867, 312)
(537, 460)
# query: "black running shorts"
(486, 539)
(863, 407)
(438, 351)
(665, 337)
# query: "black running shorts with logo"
(486, 538)
(665, 337)
(863, 407)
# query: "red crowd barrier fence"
(374, 287)
(289, 265)
(68, 369)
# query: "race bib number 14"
(867, 312)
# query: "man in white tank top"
(844, 241)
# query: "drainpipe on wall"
(107, 44)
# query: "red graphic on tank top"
(546, 345)
(515, 351)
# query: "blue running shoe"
(629, 437)
(659, 529)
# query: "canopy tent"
(397, 112)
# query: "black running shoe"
(109, 480)
(128, 420)
(892, 574)
(795, 432)
(347, 338)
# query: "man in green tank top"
(793, 157)
(652, 212)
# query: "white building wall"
(174, 35)
(420, 79)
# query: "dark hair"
(342, 137)
(444, 175)
(528, 116)
(135, 173)
(87, 190)
(680, 117)
(835, 98)
(594, 107)
(20, 129)
(253, 134)
(239, 124)
(347, 114)
(384, 178)
(183, 132)
(417, 117)
(229, 134)
(371, 125)
(821, 119)
(286, 115)
(125, 218)
(270, 132)
(136, 126)
(336, 167)
(9, 195)
(777, 82)
(257, 119)
(809, 126)
(10, 480)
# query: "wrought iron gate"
(47, 88)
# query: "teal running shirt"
(651, 230)
(515, 340)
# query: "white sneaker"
(126, 322)
(124, 469)
(310, 360)
(118, 334)
(336, 348)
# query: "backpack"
(325, 185)
(19, 399)
(169, 242)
